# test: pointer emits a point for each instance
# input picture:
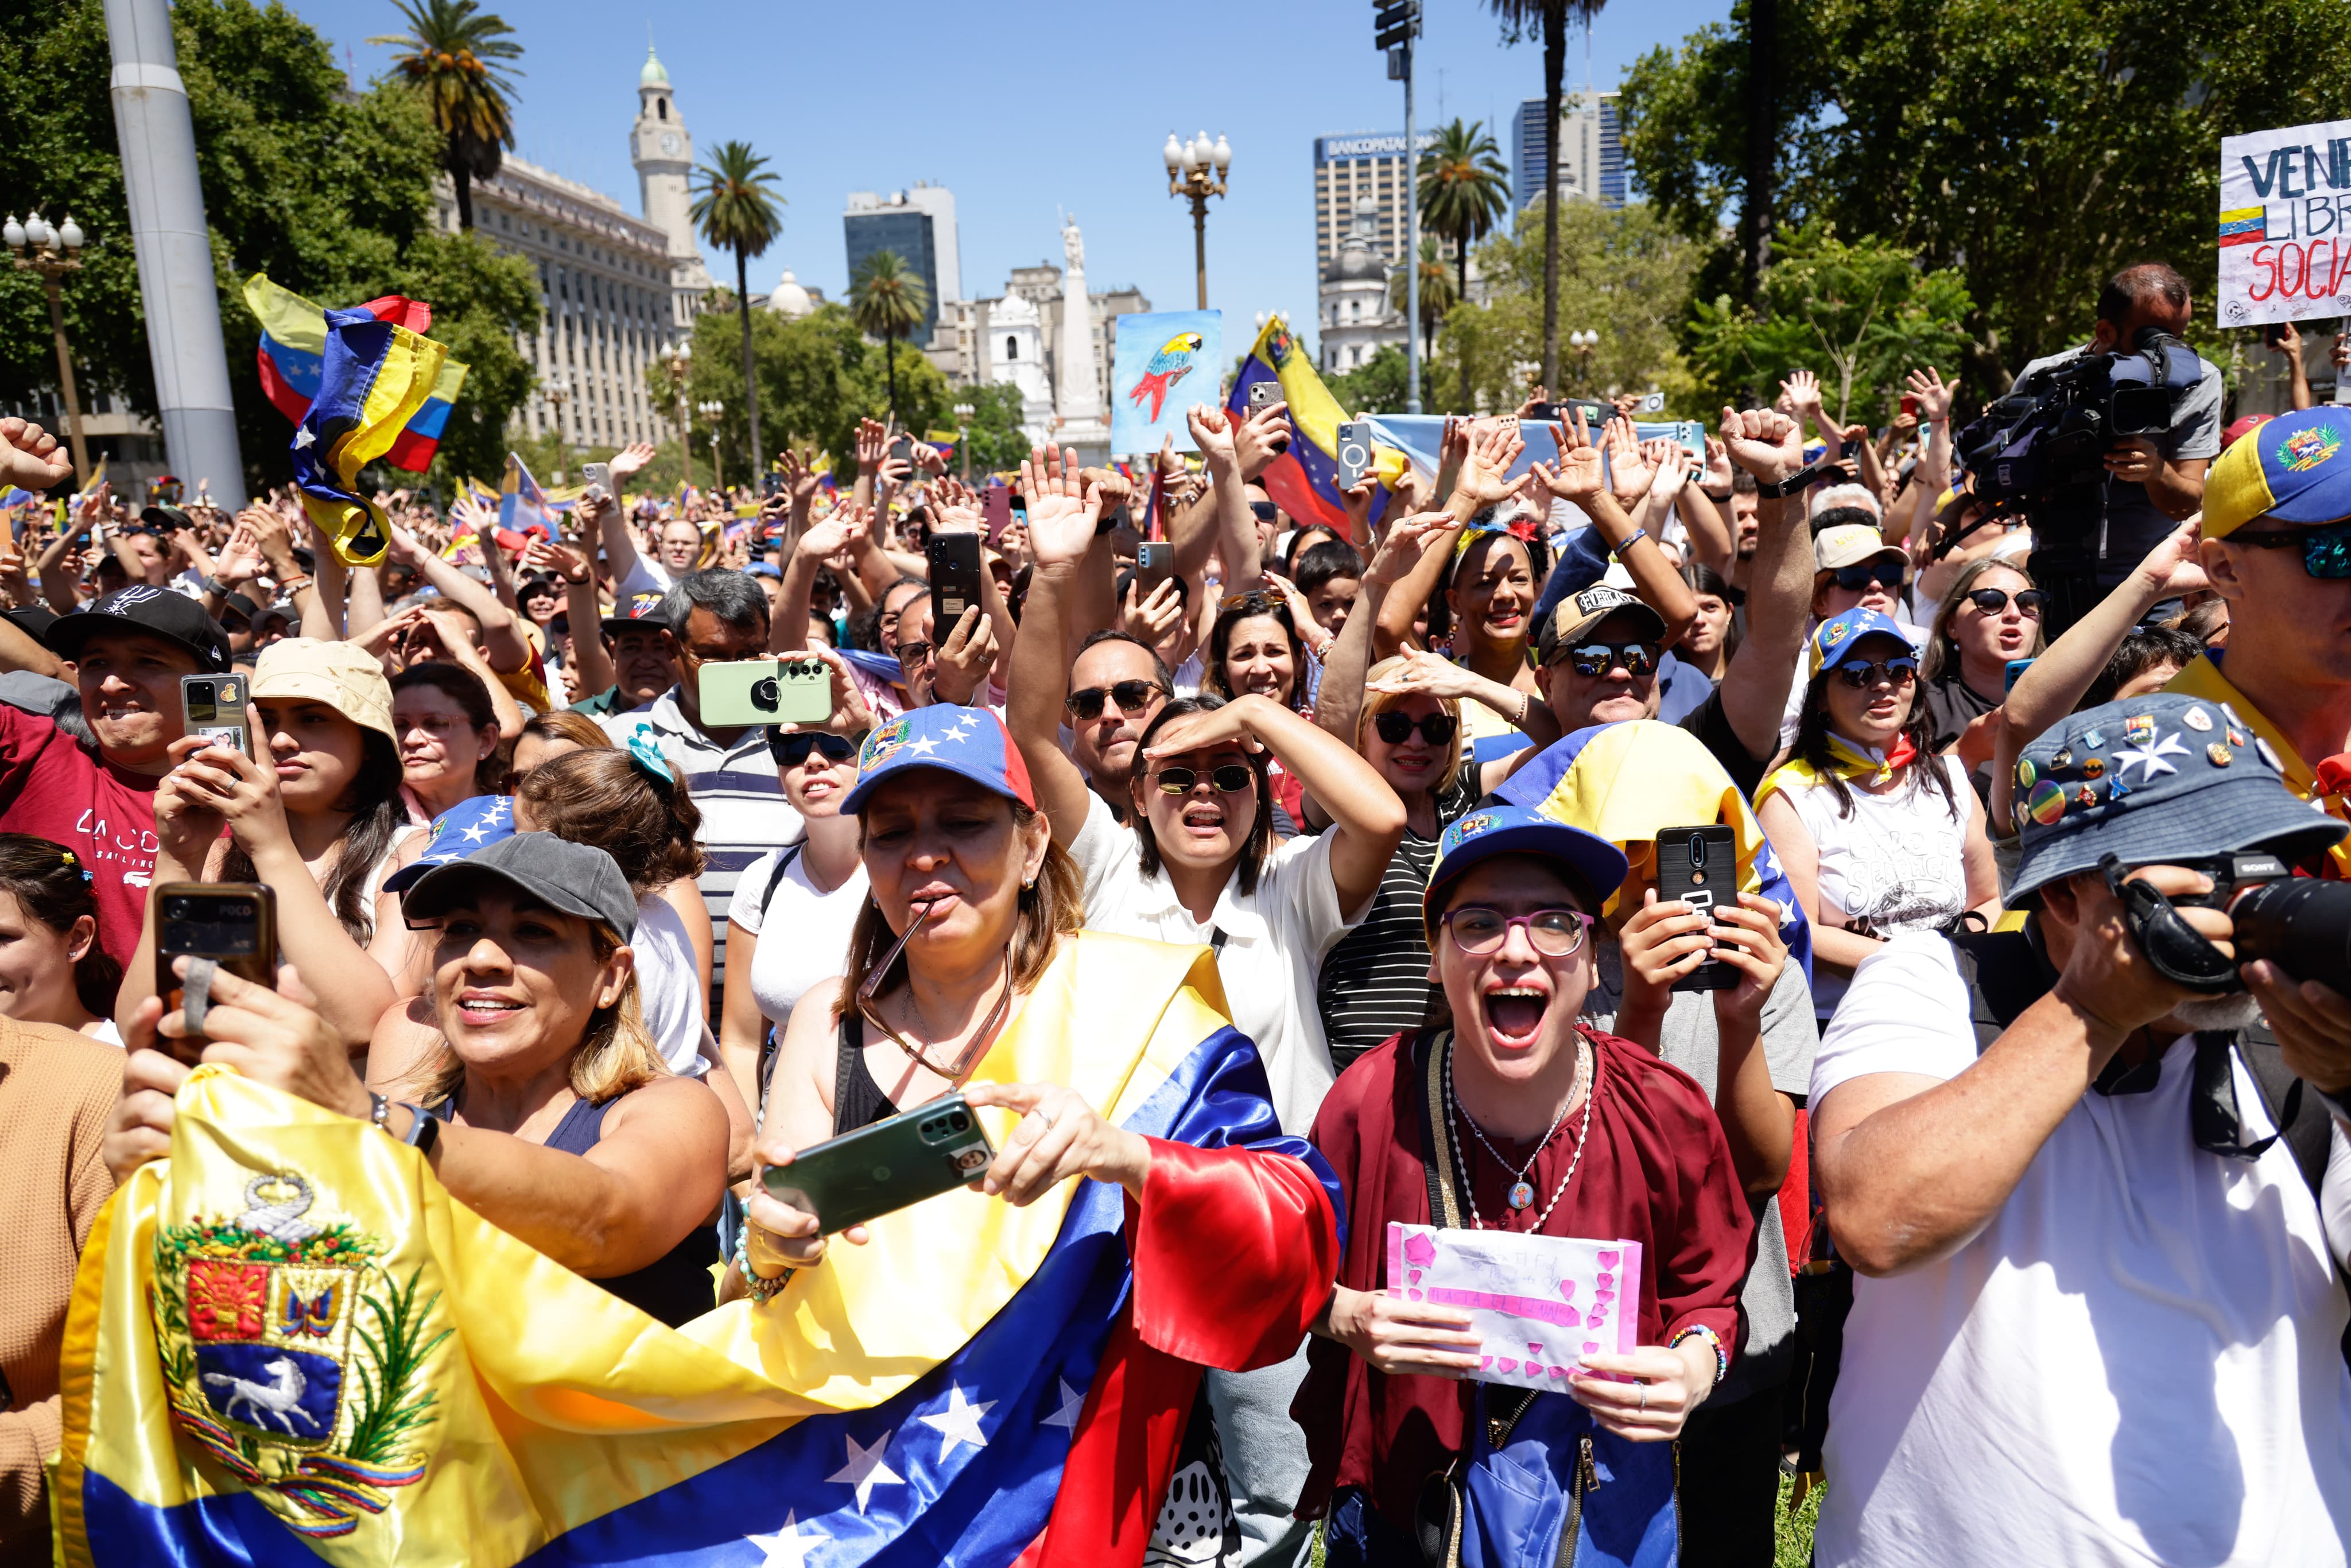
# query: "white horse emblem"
(281, 1398)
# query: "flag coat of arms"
(288, 1343)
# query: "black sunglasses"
(2326, 552)
(1994, 602)
(1853, 578)
(791, 748)
(1861, 673)
(1131, 697)
(1266, 511)
(1593, 660)
(1395, 728)
(1230, 780)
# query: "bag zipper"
(1584, 1477)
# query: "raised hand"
(1493, 450)
(570, 564)
(1407, 538)
(959, 670)
(30, 457)
(1803, 391)
(1717, 465)
(1062, 515)
(630, 460)
(1212, 432)
(1578, 476)
(1933, 393)
(1358, 499)
(1668, 467)
(1767, 444)
(1536, 397)
(1263, 436)
(240, 558)
(1629, 471)
(929, 458)
(1149, 620)
(872, 444)
(845, 526)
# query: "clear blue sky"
(1020, 113)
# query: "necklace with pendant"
(1521, 1195)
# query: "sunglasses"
(2326, 552)
(1396, 728)
(1862, 674)
(2029, 601)
(1477, 930)
(1230, 779)
(1593, 660)
(1266, 511)
(1131, 696)
(1853, 578)
(792, 750)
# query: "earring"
(1029, 886)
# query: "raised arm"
(1655, 579)
(502, 639)
(1482, 482)
(1934, 394)
(787, 632)
(1341, 704)
(1780, 591)
(1060, 531)
(591, 667)
(1236, 535)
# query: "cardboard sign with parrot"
(1163, 363)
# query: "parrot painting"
(1171, 364)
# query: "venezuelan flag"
(523, 506)
(375, 375)
(2244, 225)
(292, 357)
(1304, 480)
(288, 1343)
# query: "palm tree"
(1552, 19)
(887, 300)
(738, 209)
(1464, 192)
(454, 53)
(1437, 295)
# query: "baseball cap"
(1499, 829)
(471, 824)
(575, 879)
(1577, 615)
(2294, 468)
(1850, 544)
(163, 517)
(337, 673)
(636, 612)
(2241, 428)
(970, 742)
(763, 569)
(157, 611)
(1838, 635)
(2153, 779)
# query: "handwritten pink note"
(1541, 1302)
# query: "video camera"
(2050, 434)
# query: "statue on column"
(1079, 395)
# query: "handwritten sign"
(1543, 1304)
(2285, 224)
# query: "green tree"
(1550, 20)
(1377, 385)
(2037, 145)
(1437, 295)
(454, 55)
(997, 443)
(888, 300)
(1859, 315)
(481, 297)
(735, 203)
(1465, 191)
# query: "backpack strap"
(2005, 972)
(776, 878)
(1429, 1048)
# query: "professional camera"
(2050, 433)
(2299, 923)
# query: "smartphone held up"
(233, 924)
(1700, 867)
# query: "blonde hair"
(1377, 702)
(616, 1053)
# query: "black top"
(1952, 704)
(857, 1098)
(1374, 982)
(675, 1287)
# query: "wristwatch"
(1793, 484)
(214, 585)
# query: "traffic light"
(1398, 24)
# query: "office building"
(1349, 170)
(919, 224)
(1590, 152)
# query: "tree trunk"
(890, 369)
(750, 370)
(1762, 96)
(1555, 71)
(1461, 252)
(462, 178)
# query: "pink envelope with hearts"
(1541, 1302)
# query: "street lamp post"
(963, 412)
(679, 358)
(557, 392)
(1584, 342)
(54, 251)
(712, 412)
(1197, 169)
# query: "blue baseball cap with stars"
(469, 825)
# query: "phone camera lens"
(200, 692)
(764, 696)
(959, 1122)
(178, 908)
(1696, 850)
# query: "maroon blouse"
(1658, 1173)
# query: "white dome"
(789, 298)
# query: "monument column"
(1078, 398)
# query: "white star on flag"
(787, 1548)
(478, 832)
(923, 746)
(1073, 1403)
(303, 439)
(2150, 756)
(865, 1469)
(958, 1422)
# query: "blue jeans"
(1357, 1535)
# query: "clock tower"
(663, 150)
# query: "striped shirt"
(1376, 981)
(744, 812)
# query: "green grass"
(1795, 1531)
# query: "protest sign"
(2285, 224)
(1541, 1302)
(1161, 364)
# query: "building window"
(1012, 347)
(661, 108)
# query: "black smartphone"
(1595, 412)
(214, 707)
(953, 560)
(886, 1165)
(234, 923)
(771, 483)
(1700, 867)
(903, 449)
(2274, 334)
(1155, 563)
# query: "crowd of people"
(1954, 1178)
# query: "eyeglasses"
(1266, 511)
(913, 654)
(790, 749)
(1230, 779)
(1396, 728)
(1477, 930)
(1994, 602)
(1131, 696)
(2326, 552)
(1855, 579)
(1593, 660)
(1257, 601)
(1861, 673)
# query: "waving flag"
(290, 1340)
(293, 353)
(376, 374)
(523, 507)
(1304, 480)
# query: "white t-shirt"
(669, 987)
(1900, 858)
(813, 926)
(1275, 941)
(2135, 1361)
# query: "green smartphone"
(786, 690)
(886, 1167)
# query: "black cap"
(237, 610)
(636, 613)
(157, 612)
(33, 620)
(164, 519)
(575, 879)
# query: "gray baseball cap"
(2150, 779)
(575, 879)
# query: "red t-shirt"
(49, 786)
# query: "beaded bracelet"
(1722, 1357)
(761, 1289)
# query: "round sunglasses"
(2029, 601)
(1853, 578)
(1230, 779)
(1396, 728)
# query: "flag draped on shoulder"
(1304, 480)
(292, 359)
(376, 374)
(290, 1340)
